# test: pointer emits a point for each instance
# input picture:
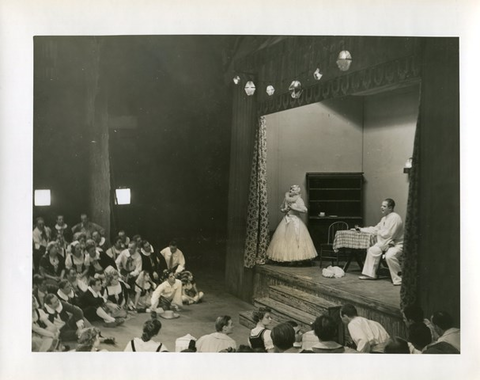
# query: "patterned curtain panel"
(408, 292)
(257, 239)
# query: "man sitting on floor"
(218, 341)
(389, 242)
(369, 336)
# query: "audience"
(219, 340)
(63, 303)
(283, 338)
(260, 336)
(368, 336)
(151, 328)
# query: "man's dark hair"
(442, 319)
(150, 329)
(221, 322)
(173, 243)
(419, 335)
(93, 281)
(397, 345)
(390, 203)
(325, 328)
(48, 298)
(283, 336)
(349, 310)
(63, 283)
(414, 313)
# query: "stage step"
(303, 301)
(284, 313)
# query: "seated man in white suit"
(389, 242)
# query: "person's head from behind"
(150, 329)
(173, 246)
(262, 316)
(388, 205)
(397, 345)
(347, 313)
(283, 336)
(88, 340)
(224, 324)
(412, 314)
(442, 321)
(325, 328)
(419, 335)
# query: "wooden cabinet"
(333, 197)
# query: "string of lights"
(344, 60)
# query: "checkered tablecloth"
(353, 239)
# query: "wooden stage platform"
(302, 293)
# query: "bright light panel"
(123, 196)
(42, 197)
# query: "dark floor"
(196, 320)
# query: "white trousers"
(392, 257)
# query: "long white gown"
(291, 240)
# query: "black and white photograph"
(208, 192)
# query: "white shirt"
(368, 335)
(170, 292)
(215, 342)
(388, 230)
(178, 259)
(141, 346)
(451, 336)
(122, 259)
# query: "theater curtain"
(257, 239)
(409, 290)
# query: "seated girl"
(76, 259)
(116, 293)
(45, 335)
(260, 337)
(190, 294)
(144, 287)
(92, 260)
(151, 328)
(51, 266)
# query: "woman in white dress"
(291, 242)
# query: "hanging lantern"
(344, 60)
(250, 88)
(236, 79)
(270, 90)
(295, 89)
(317, 74)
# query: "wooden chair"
(326, 249)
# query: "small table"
(356, 242)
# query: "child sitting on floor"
(190, 294)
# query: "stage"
(302, 293)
